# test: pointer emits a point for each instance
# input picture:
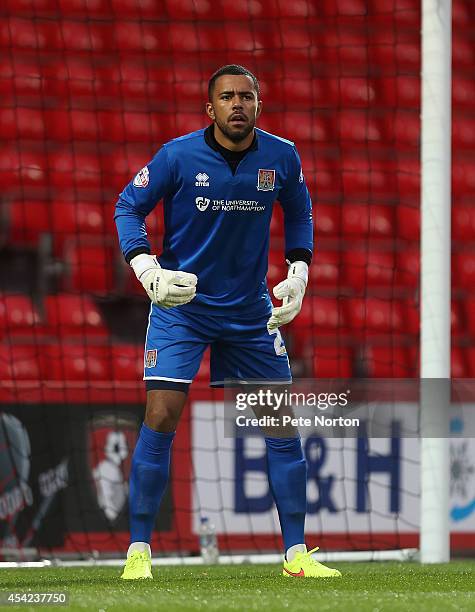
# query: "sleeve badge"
(142, 178)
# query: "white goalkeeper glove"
(291, 291)
(166, 288)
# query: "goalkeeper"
(208, 288)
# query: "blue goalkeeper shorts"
(241, 349)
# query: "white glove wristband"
(143, 262)
(298, 269)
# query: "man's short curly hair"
(233, 69)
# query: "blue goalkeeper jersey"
(216, 222)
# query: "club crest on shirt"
(142, 178)
(265, 180)
(151, 358)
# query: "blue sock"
(287, 470)
(148, 480)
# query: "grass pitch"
(374, 587)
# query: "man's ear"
(210, 110)
(259, 108)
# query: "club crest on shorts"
(265, 180)
(151, 358)
(142, 178)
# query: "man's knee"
(164, 408)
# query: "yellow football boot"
(138, 566)
(304, 565)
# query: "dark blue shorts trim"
(154, 385)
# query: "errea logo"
(202, 180)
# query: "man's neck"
(225, 142)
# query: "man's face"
(234, 106)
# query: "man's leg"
(149, 473)
(287, 472)
(151, 460)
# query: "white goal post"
(435, 276)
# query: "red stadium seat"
(70, 315)
(332, 362)
(327, 270)
(399, 91)
(408, 268)
(463, 53)
(408, 179)
(408, 221)
(72, 169)
(72, 125)
(392, 7)
(461, 14)
(21, 168)
(358, 126)
(403, 127)
(19, 77)
(389, 362)
(18, 316)
(361, 220)
(325, 177)
(135, 79)
(345, 48)
(303, 93)
(19, 363)
(127, 362)
(367, 179)
(463, 93)
(27, 220)
(459, 366)
(129, 127)
(394, 49)
(327, 219)
(463, 179)
(374, 315)
(22, 123)
(88, 36)
(463, 222)
(463, 132)
(133, 36)
(74, 77)
(321, 314)
(90, 267)
(369, 268)
(76, 362)
(17, 33)
(463, 269)
(298, 126)
(74, 218)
